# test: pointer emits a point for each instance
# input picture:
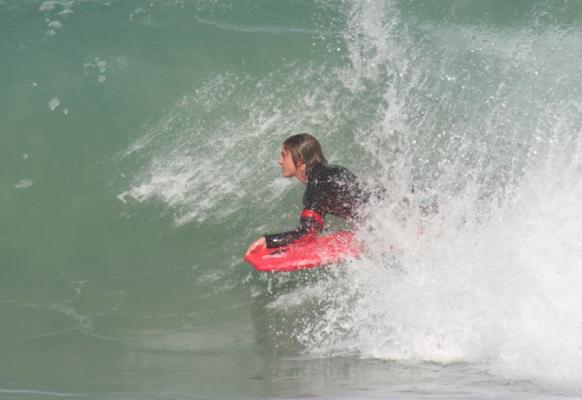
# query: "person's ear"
(301, 166)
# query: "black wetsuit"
(330, 189)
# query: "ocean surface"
(138, 160)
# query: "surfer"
(331, 189)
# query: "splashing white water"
(489, 279)
(501, 295)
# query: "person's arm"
(310, 224)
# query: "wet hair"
(306, 148)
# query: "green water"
(138, 148)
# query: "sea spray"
(485, 275)
(500, 295)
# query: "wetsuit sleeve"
(310, 224)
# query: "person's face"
(288, 167)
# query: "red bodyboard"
(314, 253)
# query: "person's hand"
(257, 245)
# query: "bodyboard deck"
(320, 251)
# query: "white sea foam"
(23, 183)
(500, 295)
(97, 66)
(54, 103)
(55, 25)
(47, 6)
(50, 5)
(488, 279)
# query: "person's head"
(300, 153)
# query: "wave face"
(139, 148)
